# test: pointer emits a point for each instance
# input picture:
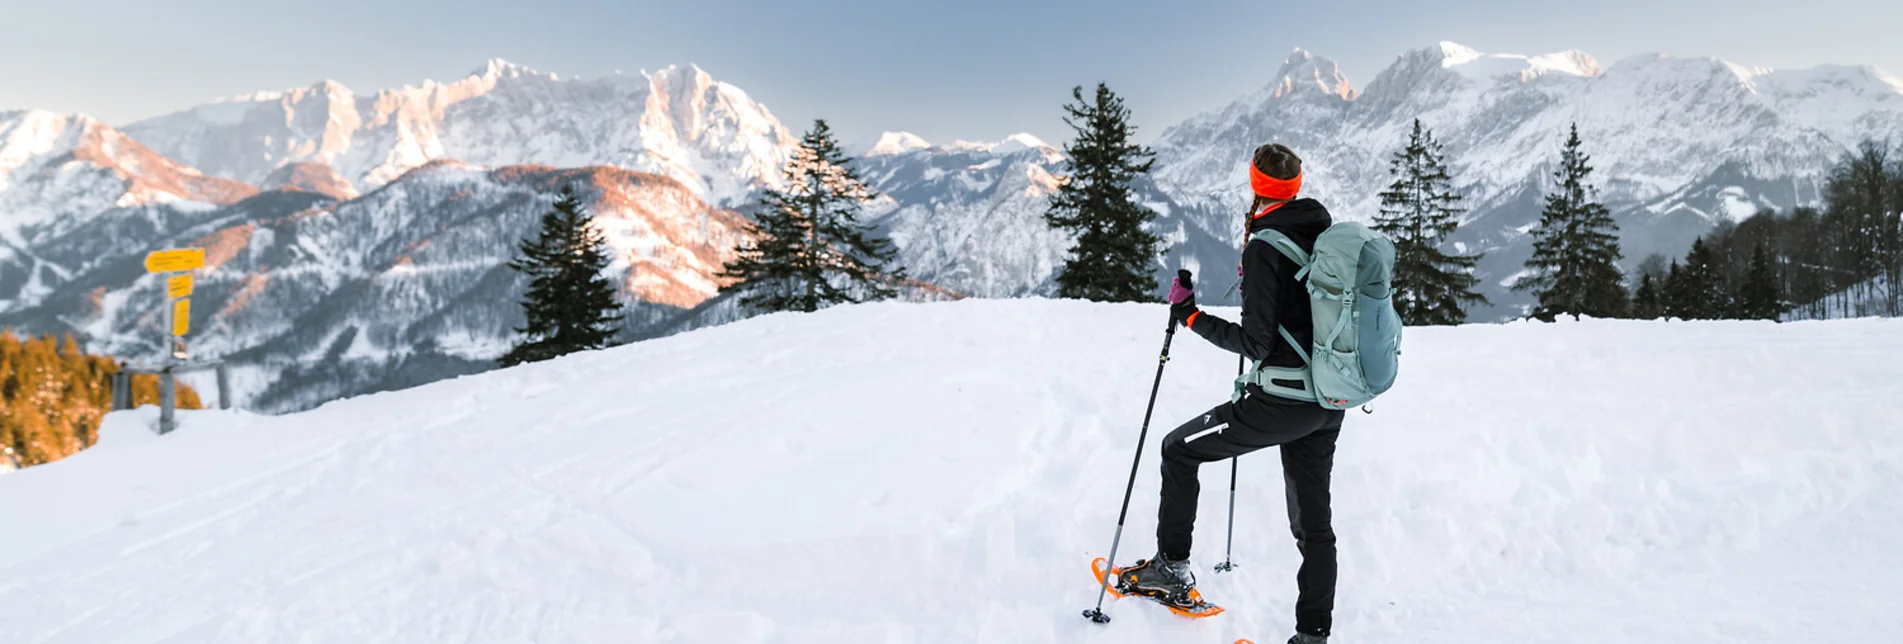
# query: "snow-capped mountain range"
(678, 123)
(64, 175)
(358, 240)
(1677, 144)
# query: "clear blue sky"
(972, 69)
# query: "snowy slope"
(941, 473)
(1677, 143)
(678, 122)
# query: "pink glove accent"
(1178, 294)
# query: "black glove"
(1183, 297)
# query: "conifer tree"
(809, 250)
(1574, 268)
(570, 304)
(1647, 304)
(1418, 212)
(1115, 255)
(1759, 297)
(1701, 285)
(1678, 300)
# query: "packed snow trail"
(943, 473)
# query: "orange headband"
(1269, 187)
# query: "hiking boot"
(1158, 577)
(1303, 638)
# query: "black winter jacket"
(1270, 294)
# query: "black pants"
(1306, 432)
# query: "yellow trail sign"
(178, 286)
(181, 317)
(166, 261)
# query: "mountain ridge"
(678, 122)
(1679, 144)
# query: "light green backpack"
(1357, 344)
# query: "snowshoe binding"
(1169, 583)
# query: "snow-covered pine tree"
(1418, 212)
(1114, 258)
(570, 305)
(1574, 268)
(1759, 297)
(809, 250)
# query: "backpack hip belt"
(1265, 377)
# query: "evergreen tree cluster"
(806, 250)
(1841, 262)
(1696, 289)
(53, 395)
(1574, 269)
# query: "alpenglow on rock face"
(65, 178)
(678, 123)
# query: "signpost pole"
(175, 266)
(224, 387)
(119, 388)
(168, 393)
(168, 397)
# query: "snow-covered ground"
(903, 473)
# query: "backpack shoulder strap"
(1284, 244)
(1281, 242)
(1297, 346)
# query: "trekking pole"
(1235, 463)
(1169, 333)
(1227, 563)
(1235, 466)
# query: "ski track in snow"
(944, 473)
